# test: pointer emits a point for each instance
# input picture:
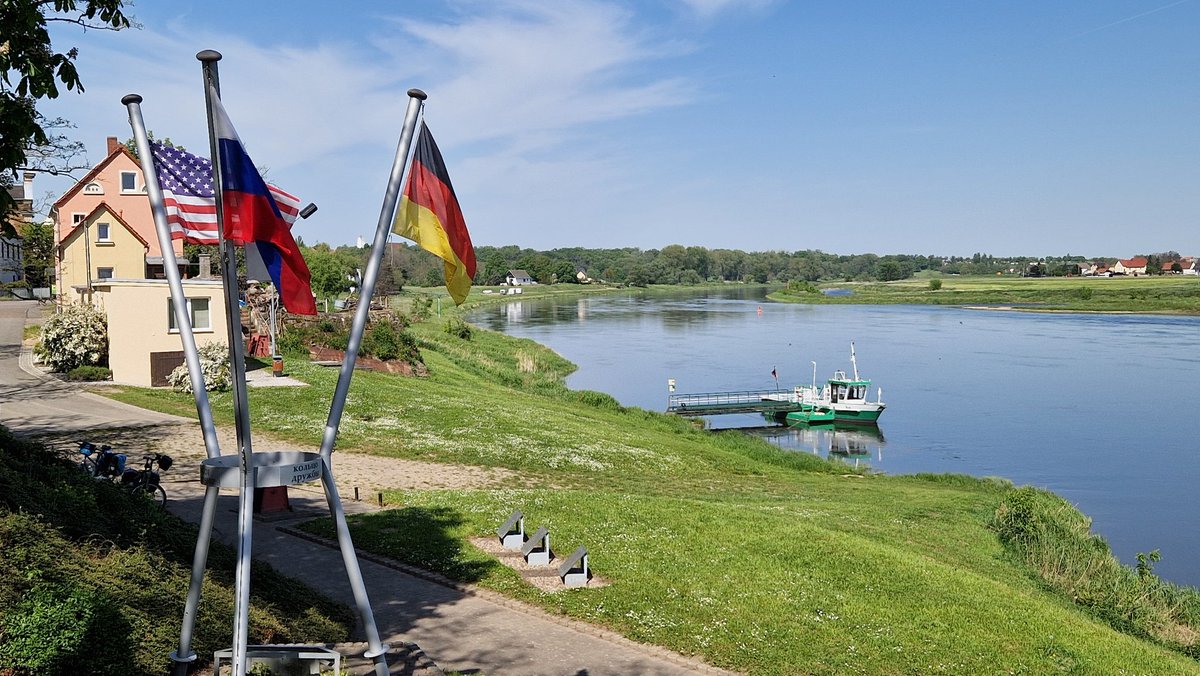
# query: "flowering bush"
(214, 364)
(77, 336)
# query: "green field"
(720, 545)
(1166, 294)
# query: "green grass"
(1167, 294)
(716, 545)
(93, 580)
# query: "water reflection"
(850, 443)
(515, 313)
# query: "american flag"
(186, 182)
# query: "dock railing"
(716, 403)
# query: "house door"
(161, 365)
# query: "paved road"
(460, 631)
(32, 405)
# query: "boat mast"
(853, 361)
(814, 383)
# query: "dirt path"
(369, 473)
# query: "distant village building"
(518, 278)
(12, 259)
(1190, 265)
(1132, 266)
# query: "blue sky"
(933, 127)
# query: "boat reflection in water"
(850, 443)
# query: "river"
(1101, 409)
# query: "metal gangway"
(718, 403)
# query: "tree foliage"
(39, 254)
(331, 269)
(31, 70)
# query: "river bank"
(716, 545)
(1162, 294)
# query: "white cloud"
(512, 91)
(707, 9)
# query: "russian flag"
(253, 219)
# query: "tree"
(28, 141)
(39, 254)
(330, 275)
(889, 271)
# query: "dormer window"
(128, 181)
(93, 189)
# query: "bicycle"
(146, 481)
(101, 462)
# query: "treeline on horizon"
(406, 264)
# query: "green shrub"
(935, 284)
(66, 630)
(597, 399)
(421, 308)
(458, 328)
(796, 287)
(1017, 519)
(388, 341)
(1084, 293)
(290, 343)
(76, 336)
(381, 342)
(89, 373)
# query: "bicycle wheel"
(151, 492)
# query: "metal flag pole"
(237, 365)
(184, 655)
(375, 648)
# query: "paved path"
(33, 405)
(460, 630)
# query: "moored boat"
(844, 395)
(811, 414)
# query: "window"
(104, 273)
(77, 218)
(197, 310)
(93, 189)
(103, 232)
(128, 181)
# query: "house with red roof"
(1132, 266)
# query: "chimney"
(113, 144)
(28, 187)
(205, 266)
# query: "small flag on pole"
(255, 220)
(430, 216)
(774, 374)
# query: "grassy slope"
(716, 545)
(91, 576)
(1169, 294)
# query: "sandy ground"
(185, 444)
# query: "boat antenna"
(853, 361)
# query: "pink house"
(118, 183)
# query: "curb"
(512, 604)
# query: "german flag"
(429, 215)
